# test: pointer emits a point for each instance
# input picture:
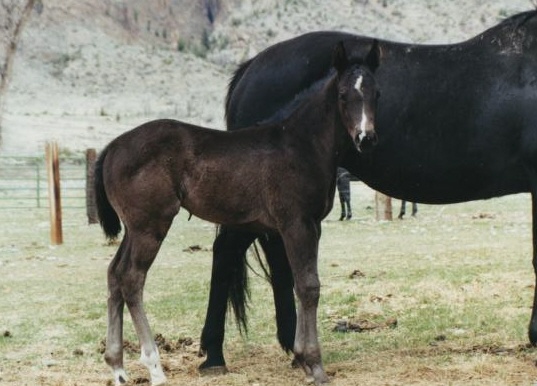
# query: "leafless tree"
(13, 16)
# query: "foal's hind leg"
(126, 276)
(114, 339)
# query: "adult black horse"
(455, 123)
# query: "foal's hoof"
(310, 380)
(213, 371)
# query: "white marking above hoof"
(120, 377)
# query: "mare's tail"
(230, 271)
(239, 289)
(239, 292)
(107, 215)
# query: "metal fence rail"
(23, 182)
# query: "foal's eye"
(377, 94)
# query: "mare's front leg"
(301, 241)
(533, 321)
(228, 280)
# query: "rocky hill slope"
(86, 70)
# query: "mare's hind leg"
(349, 210)
(282, 285)
(126, 276)
(342, 203)
(403, 209)
(301, 241)
(414, 209)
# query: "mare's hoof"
(213, 371)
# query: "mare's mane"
(237, 75)
(287, 109)
(300, 98)
(519, 19)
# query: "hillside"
(86, 71)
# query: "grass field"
(457, 280)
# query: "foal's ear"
(372, 59)
(340, 61)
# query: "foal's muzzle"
(366, 142)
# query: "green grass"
(455, 278)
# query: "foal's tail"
(107, 215)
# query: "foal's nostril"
(373, 138)
(368, 142)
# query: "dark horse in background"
(455, 123)
(276, 178)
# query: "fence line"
(23, 182)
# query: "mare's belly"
(441, 184)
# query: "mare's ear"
(340, 61)
(372, 59)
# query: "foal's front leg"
(301, 241)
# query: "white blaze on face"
(358, 84)
(363, 122)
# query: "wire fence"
(23, 182)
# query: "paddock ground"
(445, 299)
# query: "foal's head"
(357, 94)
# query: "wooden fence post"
(91, 208)
(383, 205)
(54, 197)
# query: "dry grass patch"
(459, 285)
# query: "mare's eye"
(377, 94)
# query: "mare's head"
(358, 94)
